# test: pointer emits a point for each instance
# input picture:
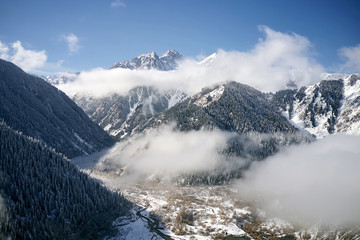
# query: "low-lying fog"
(317, 181)
(311, 182)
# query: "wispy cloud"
(24, 58)
(352, 59)
(118, 3)
(4, 51)
(73, 42)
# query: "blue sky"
(82, 34)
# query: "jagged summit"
(151, 61)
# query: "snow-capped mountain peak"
(210, 59)
(151, 61)
(171, 53)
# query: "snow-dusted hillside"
(119, 115)
(331, 106)
(166, 62)
(230, 106)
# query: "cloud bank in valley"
(167, 153)
(269, 66)
(316, 182)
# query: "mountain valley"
(164, 163)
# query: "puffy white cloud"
(24, 58)
(73, 42)
(118, 3)
(314, 182)
(352, 59)
(269, 66)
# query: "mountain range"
(321, 109)
(43, 195)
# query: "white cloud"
(4, 51)
(73, 42)
(352, 59)
(165, 152)
(269, 66)
(25, 59)
(316, 182)
(118, 3)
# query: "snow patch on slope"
(349, 120)
(210, 97)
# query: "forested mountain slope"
(230, 106)
(33, 106)
(45, 195)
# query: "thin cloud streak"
(72, 41)
(118, 3)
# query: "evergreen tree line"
(47, 197)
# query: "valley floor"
(167, 211)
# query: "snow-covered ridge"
(209, 60)
(330, 106)
(334, 76)
(349, 120)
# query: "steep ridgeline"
(230, 106)
(44, 196)
(325, 108)
(120, 114)
(168, 61)
(34, 107)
